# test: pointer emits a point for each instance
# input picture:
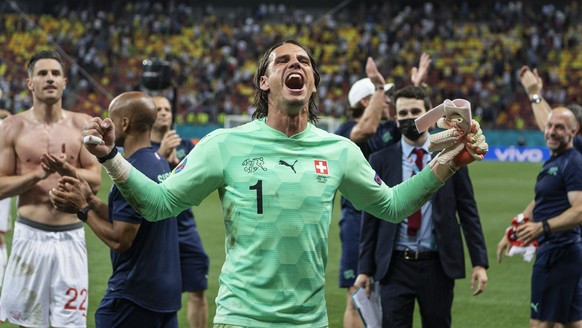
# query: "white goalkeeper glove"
(463, 141)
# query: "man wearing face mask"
(424, 253)
(369, 106)
(372, 127)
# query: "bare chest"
(37, 139)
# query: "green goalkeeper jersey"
(277, 196)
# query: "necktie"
(414, 219)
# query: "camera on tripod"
(156, 74)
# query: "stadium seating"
(477, 49)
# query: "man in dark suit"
(420, 258)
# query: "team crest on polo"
(181, 166)
(180, 153)
(553, 170)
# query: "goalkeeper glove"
(463, 141)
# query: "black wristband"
(108, 156)
(380, 87)
(546, 227)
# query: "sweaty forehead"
(288, 49)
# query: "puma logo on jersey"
(534, 306)
(292, 166)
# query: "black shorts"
(556, 285)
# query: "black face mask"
(408, 128)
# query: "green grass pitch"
(502, 190)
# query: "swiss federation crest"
(321, 166)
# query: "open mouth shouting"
(295, 82)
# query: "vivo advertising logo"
(517, 154)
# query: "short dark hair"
(410, 91)
(261, 102)
(45, 54)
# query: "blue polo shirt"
(148, 273)
(559, 175)
(578, 143)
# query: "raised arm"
(533, 84)
(419, 74)
(152, 200)
(366, 191)
(368, 122)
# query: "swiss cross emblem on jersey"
(320, 166)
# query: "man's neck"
(289, 125)
(134, 143)
(158, 134)
(47, 113)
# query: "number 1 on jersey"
(259, 188)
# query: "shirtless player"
(46, 279)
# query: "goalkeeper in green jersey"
(277, 177)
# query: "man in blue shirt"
(193, 258)
(372, 128)
(556, 284)
(145, 286)
(533, 84)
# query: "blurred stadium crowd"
(477, 49)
